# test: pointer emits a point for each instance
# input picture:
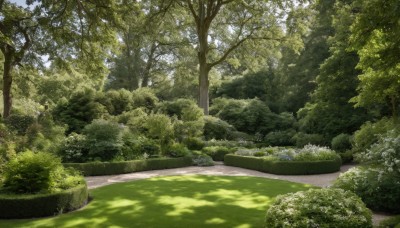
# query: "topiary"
(319, 208)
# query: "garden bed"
(283, 167)
(111, 168)
(13, 206)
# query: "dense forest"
(281, 73)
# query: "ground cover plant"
(184, 201)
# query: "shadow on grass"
(174, 201)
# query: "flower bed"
(283, 161)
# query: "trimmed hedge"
(40, 205)
(110, 168)
(283, 167)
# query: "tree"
(220, 27)
(375, 37)
(62, 31)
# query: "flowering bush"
(379, 190)
(319, 208)
(200, 159)
(385, 153)
(308, 153)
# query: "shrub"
(385, 153)
(117, 101)
(184, 129)
(19, 123)
(32, 172)
(74, 149)
(120, 167)
(230, 144)
(134, 119)
(380, 191)
(280, 138)
(200, 159)
(194, 143)
(217, 152)
(319, 208)
(301, 139)
(341, 143)
(145, 98)
(104, 139)
(215, 128)
(81, 109)
(315, 153)
(347, 156)
(369, 133)
(183, 109)
(40, 205)
(159, 126)
(176, 150)
(392, 222)
(149, 147)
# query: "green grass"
(174, 201)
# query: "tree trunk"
(7, 82)
(202, 34)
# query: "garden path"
(321, 180)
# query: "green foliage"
(341, 142)
(176, 150)
(44, 204)
(231, 144)
(217, 153)
(200, 159)
(134, 119)
(145, 98)
(392, 222)
(385, 153)
(301, 139)
(104, 139)
(111, 168)
(19, 123)
(183, 109)
(30, 172)
(369, 133)
(81, 109)
(159, 127)
(280, 138)
(250, 116)
(194, 143)
(117, 101)
(319, 208)
(271, 165)
(380, 191)
(347, 156)
(74, 149)
(215, 128)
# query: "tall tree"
(60, 30)
(222, 26)
(375, 37)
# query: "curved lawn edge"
(112, 168)
(171, 201)
(283, 167)
(13, 206)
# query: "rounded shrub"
(379, 190)
(280, 138)
(217, 152)
(176, 150)
(19, 123)
(341, 143)
(104, 139)
(301, 139)
(74, 148)
(194, 143)
(319, 208)
(215, 128)
(31, 172)
(200, 159)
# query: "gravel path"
(321, 180)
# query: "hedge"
(110, 168)
(283, 167)
(14, 206)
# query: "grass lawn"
(174, 201)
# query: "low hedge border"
(283, 167)
(13, 206)
(111, 168)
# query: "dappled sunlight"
(174, 201)
(182, 205)
(216, 221)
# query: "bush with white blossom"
(319, 208)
